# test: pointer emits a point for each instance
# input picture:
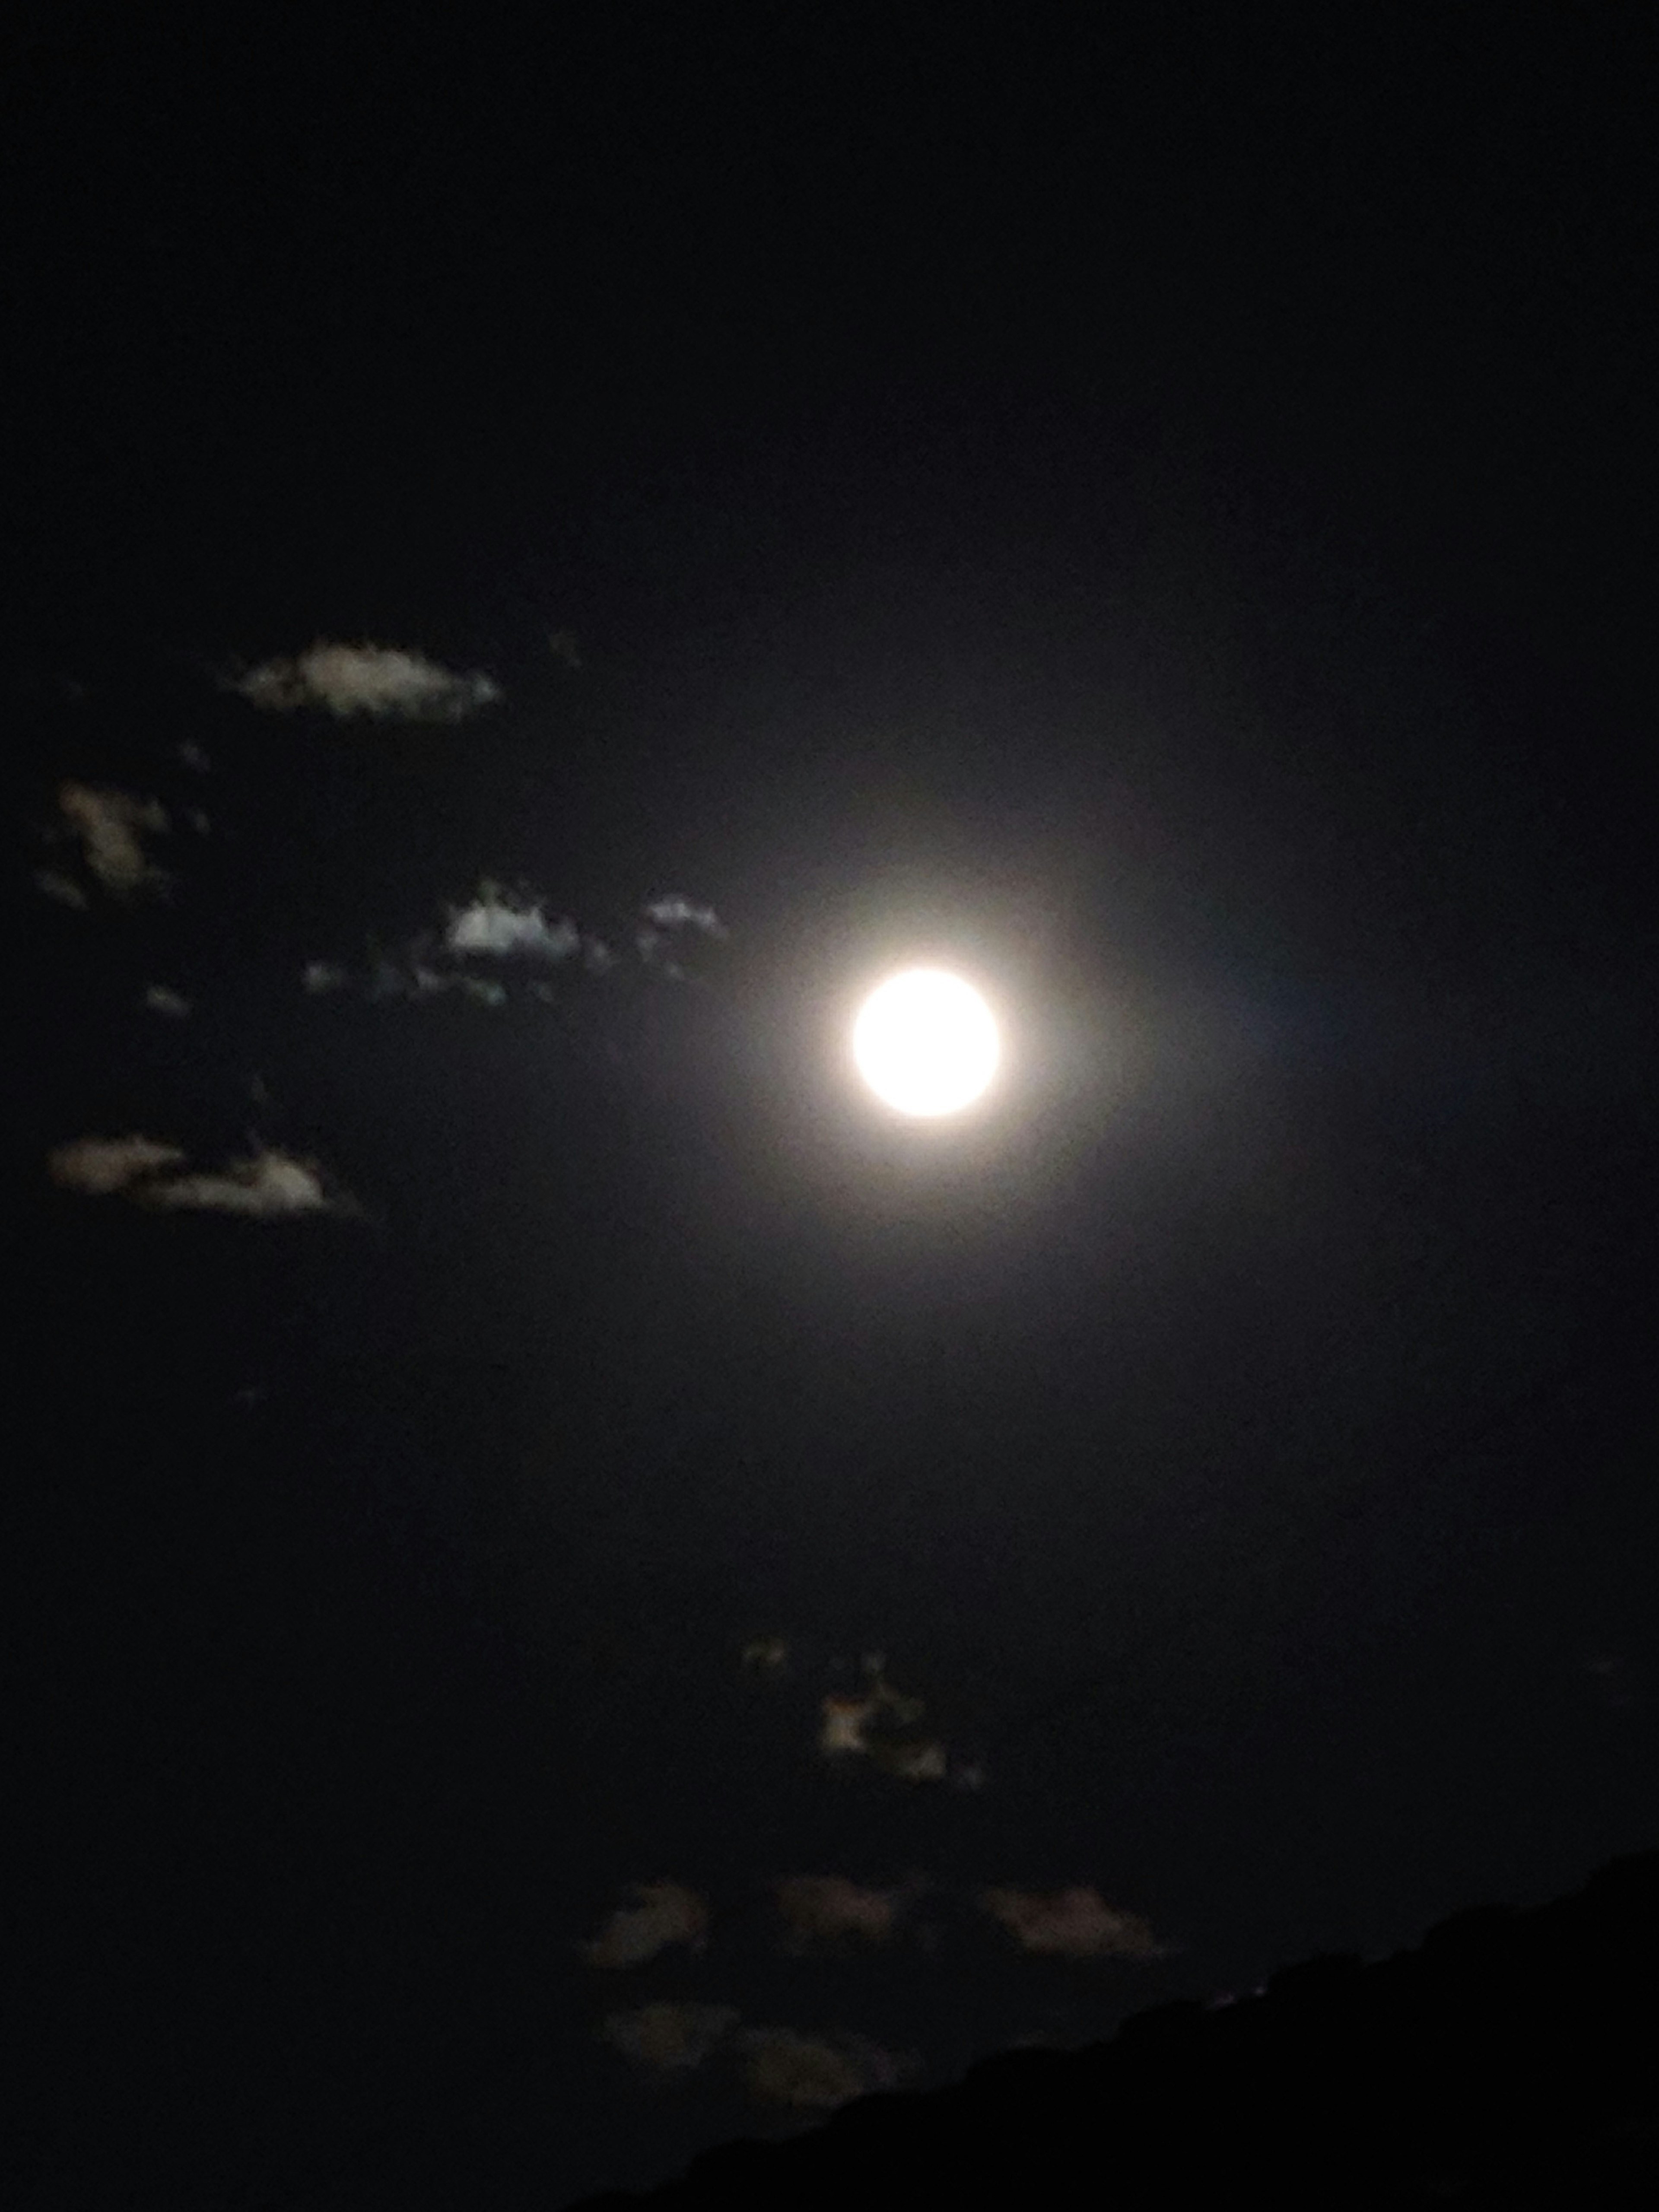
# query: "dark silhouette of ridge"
(1512, 2058)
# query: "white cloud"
(673, 910)
(381, 680)
(491, 924)
(666, 1912)
(111, 826)
(102, 1165)
(268, 1185)
(265, 1185)
(1070, 1923)
(669, 2036)
(324, 975)
(161, 1000)
(828, 1908)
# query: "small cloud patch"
(492, 924)
(110, 827)
(383, 681)
(669, 2037)
(266, 1186)
(1070, 1923)
(831, 1910)
(664, 1913)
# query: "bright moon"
(926, 1042)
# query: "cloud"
(63, 889)
(765, 1655)
(267, 1185)
(111, 826)
(666, 1912)
(1070, 1923)
(673, 910)
(324, 975)
(161, 1000)
(669, 2036)
(102, 1165)
(381, 680)
(492, 924)
(816, 2073)
(879, 1724)
(829, 1909)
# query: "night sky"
(543, 567)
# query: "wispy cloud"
(384, 681)
(1070, 1923)
(829, 1909)
(490, 923)
(62, 888)
(162, 998)
(880, 1724)
(665, 1912)
(669, 2036)
(265, 1185)
(100, 1166)
(673, 910)
(110, 827)
(816, 2073)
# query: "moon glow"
(926, 1042)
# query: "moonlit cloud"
(492, 924)
(829, 1909)
(879, 1723)
(111, 826)
(1070, 1923)
(162, 998)
(673, 910)
(669, 2037)
(99, 1166)
(62, 888)
(665, 1912)
(815, 2072)
(265, 1185)
(381, 680)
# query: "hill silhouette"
(1511, 2058)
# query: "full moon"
(926, 1042)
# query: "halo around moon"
(926, 1042)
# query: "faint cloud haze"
(1070, 1923)
(829, 1909)
(665, 1912)
(162, 998)
(100, 1166)
(381, 680)
(111, 826)
(814, 2072)
(669, 2036)
(673, 910)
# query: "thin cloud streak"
(383, 681)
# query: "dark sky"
(1158, 520)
